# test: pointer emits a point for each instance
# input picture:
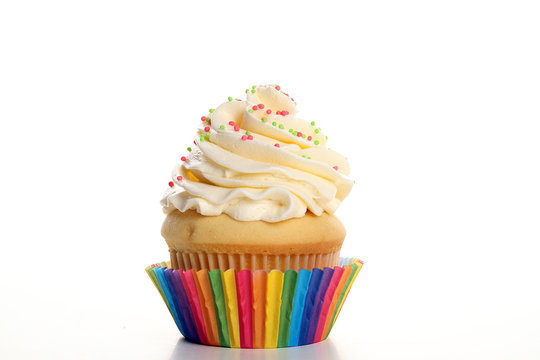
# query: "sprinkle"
(313, 123)
(269, 111)
(284, 112)
(248, 132)
(291, 130)
(293, 100)
(278, 112)
(335, 167)
(189, 149)
(253, 91)
(210, 121)
(250, 110)
(207, 128)
(326, 137)
(276, 145)
(230, 98)
(281, 126)
(316, 142)
(171, 184)
(295, 132)
(303, 136)
(194, 142)
(183, 158)
(201, 138)
(317, 130)
(203, 118)
(253, 87)
(261, 106)
(255, 108)
(211, 110)
(299, 134)
(303, 156)
(247, 90)
(244, 137)
(278, 88)
(263, 119)
(309, 138)
(207, 136)
(250, 137)
(231, 123)
(179, 178)
(222, 127)
(274, 123)
(236, 128)
(309, 157)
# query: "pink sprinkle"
(250, 137)
(335, 167)
(203, 118)
(292, 99)
(268, 111)
(278, 87)
(284, 112)
(278, 112)
(261, 106)
(206, 128)
(236, 128)
(171, 184)
(231, 123)
(179, 178)
(309, 138)
(183, 158)
(244, 137)
(286, 94)
(299, 134)
(276, 145)
(254, 107)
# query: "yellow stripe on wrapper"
(229, 290)
(273, 304)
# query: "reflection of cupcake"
(257, 191)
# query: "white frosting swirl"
(273, 167)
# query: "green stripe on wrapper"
(216, 283)
(287, 299)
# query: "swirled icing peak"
(256, 160)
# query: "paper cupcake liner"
(255, 309)
(197, 261)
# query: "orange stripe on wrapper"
(207, 306)
(259, 308)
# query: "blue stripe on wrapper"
(319, 300)
(300, 292)
(184, 303)
(316, 276)
(165, 287)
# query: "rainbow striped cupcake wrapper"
(255, 309)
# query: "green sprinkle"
(189, 149)
(295, 103)
(294, 133)
(253, 91)
(317, 130)
(316, 142)
(281, 126)
(250, 110)
(207, 136)
(291, 130)
(303, 156)
(248, 132)
(201, 138)
(222, 127)
(309, 157)
(247, 90)
(326, 137)
(229, 98)
(208, 120)
(303, 136)
(263, 119)
(274, 123)
(211, 110)
(313, 123)
(253, 87)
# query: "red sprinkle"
(278, 112)
(335, 167)
(286, 94)
(261, 106)
(236, 128)
(194, 142)
(276, 145)
(284, 112)
(244, 137)
(183, 158)
(254, 107)
(299, 134)
(278, 87)
(231, 123)
(292, 99)
(203, 118)
(269, 111)
(171, 184)
(309, 138)
(250, 137)
(210, 121)
(179, 178)
(206, 128)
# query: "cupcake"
(256, 191)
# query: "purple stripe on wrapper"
(186, 310)
(316, 276)
(319, 300)
(175, 302)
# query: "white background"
(435, 103)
